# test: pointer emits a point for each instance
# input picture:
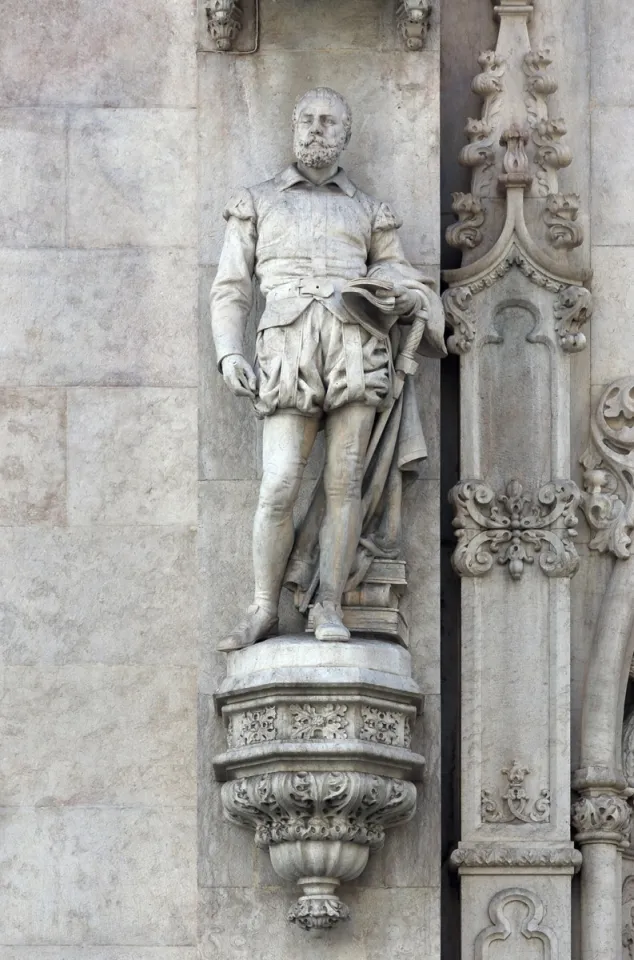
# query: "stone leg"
(347, 436)
(286, 445)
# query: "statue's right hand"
(239, 376)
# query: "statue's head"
(322, 124)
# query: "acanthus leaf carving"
(515, 803)
(465, 234)
(573, 309)
(513, 526)
(603, 817)
(253, 726)
(224, 21)
(508, 927)
(560, 217)
(495, 855)
(456, 301)
(608, 500)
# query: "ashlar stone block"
(97, 594)
(611, 340)
(132, 456)
(612, 191)
(98, 317)
(132, 178)
(98, 876)
(96, 735)
(32, 457)
(33, 182)
(113, 54)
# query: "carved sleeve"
(232, 291)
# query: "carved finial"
(224, 20)
(413, 20)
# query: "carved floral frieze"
(515, 803)
(511, 528)
(253, 726)
(608, 500)
(497, 855)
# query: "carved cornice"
(603, 818)
(510, 528)
(608, 501)
(496, 855)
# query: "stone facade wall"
(118, 152)
(98, 412)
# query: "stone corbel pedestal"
(318, 761)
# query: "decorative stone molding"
(512, 926)
(627, 903)
(224, 22)
(494, 856)
(465, 234)
(608, 501)
(517, 148)
(513, 526)
(515, 803)
(602, 818)
(573, 308)
(412, 17)
(628, 748)
(327, 722)
(318, 763)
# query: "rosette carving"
(605, 818)
(513, 526)
(608, 501)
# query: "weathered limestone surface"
(98, 413)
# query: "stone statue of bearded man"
(334, 347)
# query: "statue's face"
(320, 134)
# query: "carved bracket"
(413, 17)
(512, 527)
(515, 803)
(319, 829)
(608, 501)
(224, 22)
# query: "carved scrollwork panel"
(319, 722)
(511, 528)
(515, 928)
(515, 804)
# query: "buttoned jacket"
(303, 243)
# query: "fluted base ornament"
(319, 829)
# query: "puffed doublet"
(287, 230)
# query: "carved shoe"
(258, 624)
(328, 623)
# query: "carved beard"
(313, 152)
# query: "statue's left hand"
(406, 300)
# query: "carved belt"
(319, 287)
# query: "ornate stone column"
(602, 815)
(517, 306)
(319, 762)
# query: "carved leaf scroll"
(511, 528)
(515, 803)
(608, 501)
